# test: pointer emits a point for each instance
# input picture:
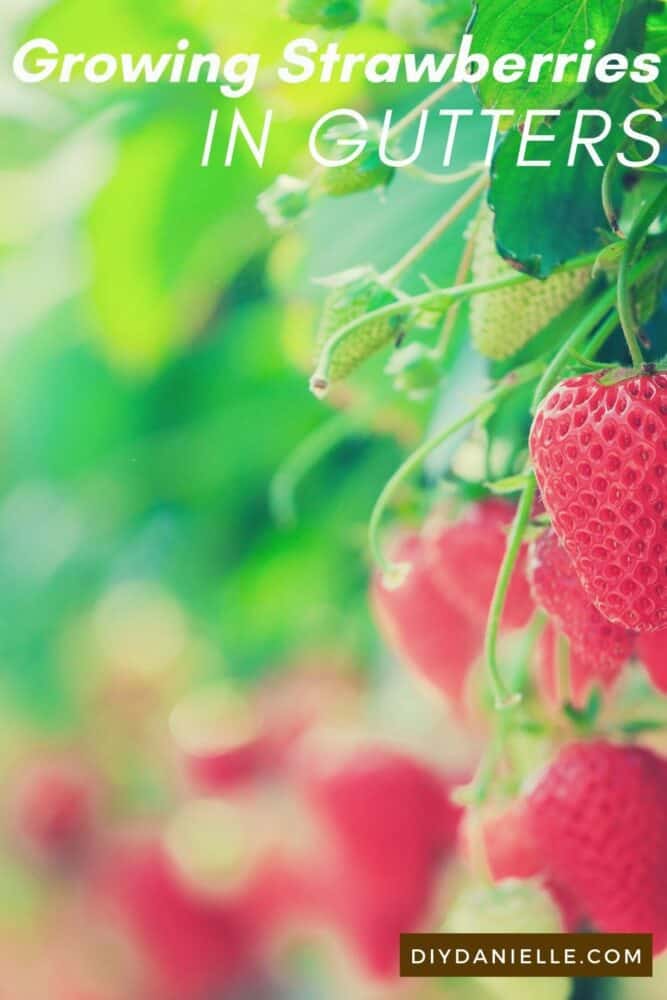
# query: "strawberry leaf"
(527, 27)
(545, 217)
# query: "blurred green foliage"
(149, 386)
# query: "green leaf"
(585, 717)
(609, 258)
(527, 27)
(24, 141)
(545, 217)
(167, 235)
(115, 26)
(656, 41)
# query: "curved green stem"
(596, 314)
(394, 573)
(462, 272)
(563, 678)
(608, 178)
(444, 179)
(477, 792)
(597, 342)
(502, 696)
(486, 772)
(435, 232)
(414, 113)
(308, 452)
(441, 298)
(526, 654)
(635, 241)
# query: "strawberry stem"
(600, 338)
(413, 115)
(442, 298)
(597, 313)
(561, 359)
(395, 273)
(483, 410)
(462, 272)
(481, 784)
(607, 189)
(561, 653)
(635, 242)
(503, 698)
(445, 179)
(308, 452)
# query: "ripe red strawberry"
(581, 671)
(422, 626)
(599, 816)
(599, 448)
(598, 648)
(391, 826)
(504, 838)
(192, 946)
(388, 812)
(318, 689)
(222, 740)
(256, 854)
(652, 651)
(584, 671)
(54, 809)
(465, 557)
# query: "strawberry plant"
(527, 575)
(334, 538)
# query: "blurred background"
(187, 661)
(156, 604)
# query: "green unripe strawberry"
(353, 294)
(365, 172)
(286, 200)
(325, 13)
(415, 371)
(512, 906)
(502, 322)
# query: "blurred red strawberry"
(599, 817)
(501, 839)
(583, 671)
(230, 739)
(317, 688)
(53, 808)
(651, 648)
(422, 626)
(502, 842)
(391, 825)
(191, 945)
(598, 648)
(465, 557)
(220, 735)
